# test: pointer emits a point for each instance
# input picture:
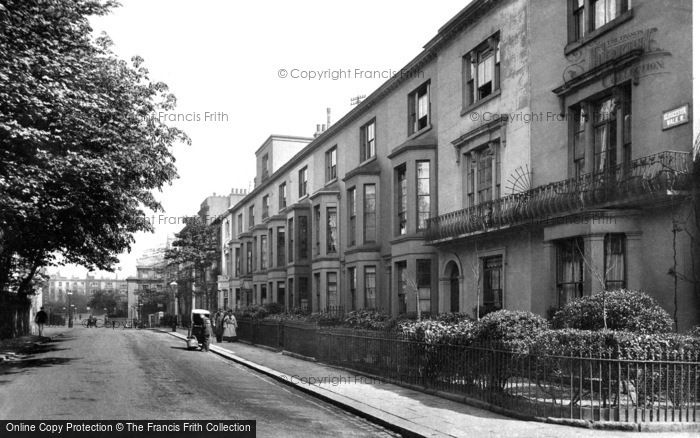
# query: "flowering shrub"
(626, 311)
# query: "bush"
(511, 330)
(369, 320)
(273, 308)
(326, 319)
(616, 345)
(694, 332)
(626, 311)
(252, 312)
(439, 332)
(454, 318)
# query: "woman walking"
(230, 326)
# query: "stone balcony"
(643, 182)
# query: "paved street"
(143, 374)
(139, 374)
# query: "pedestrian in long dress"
(230, 326)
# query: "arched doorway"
(454, 287)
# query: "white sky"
(224, 56)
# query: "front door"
(454, 290)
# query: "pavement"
(403, 410)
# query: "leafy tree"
(154, 300)
(81, 146)
(195, 250)
(103, 299)
(80, 302)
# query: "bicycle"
(87, 323)
(111, 324)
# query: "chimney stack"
(328, 117)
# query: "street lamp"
(70, 310)
(173, 286)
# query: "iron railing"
(665, 388)
(579, 388)
(636, 183)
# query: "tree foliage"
(194, 245)
(103, 299)
(154, 300)
(81, 146)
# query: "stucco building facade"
(532, 153)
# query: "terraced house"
(539, 152)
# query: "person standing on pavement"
(230, 326)
(206, 333)
(219, 325)
(40, 320)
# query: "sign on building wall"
(676, 117)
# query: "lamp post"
(70, 310)
(194, 288)
(173, 287)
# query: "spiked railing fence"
(664, 387)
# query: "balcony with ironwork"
(643, 182)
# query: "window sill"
(419, 133)
(576, 45)
(367, 161)
(331, 181)
(475, 105)
(408, 238)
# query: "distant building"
(60, 285)
(150, 275)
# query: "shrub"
(252, 312)
(439, 332)
(695, 332)
(327, 319)
(273, 308)
(369, 320)
(511, 330)
(626, 311)
(453, 318)
(616, 345)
